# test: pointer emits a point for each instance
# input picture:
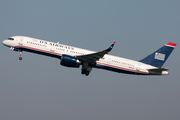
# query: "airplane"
(75, 57)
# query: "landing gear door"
(21, 41)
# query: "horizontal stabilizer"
(158, 69)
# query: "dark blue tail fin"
(159, 57)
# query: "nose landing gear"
(20, 58)
(20, 54)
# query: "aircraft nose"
(4, 42)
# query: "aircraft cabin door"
(21, 41)
(52, 48)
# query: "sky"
(39, 88)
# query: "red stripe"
(122, 68)
(171, 44)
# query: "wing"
(158, 69)
(91, 58)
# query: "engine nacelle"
(70, 61)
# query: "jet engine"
(70, 61)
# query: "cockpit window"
(10, 38)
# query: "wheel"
(83, 71)
(20, 58)
(87, 73)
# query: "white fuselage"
(108, 62)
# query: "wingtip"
(110, 48)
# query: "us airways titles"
(56, 45)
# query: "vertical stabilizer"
(159, 57)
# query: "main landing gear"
(20, 54)
(86, 69)
(85, 72)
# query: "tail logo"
(159, 56)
